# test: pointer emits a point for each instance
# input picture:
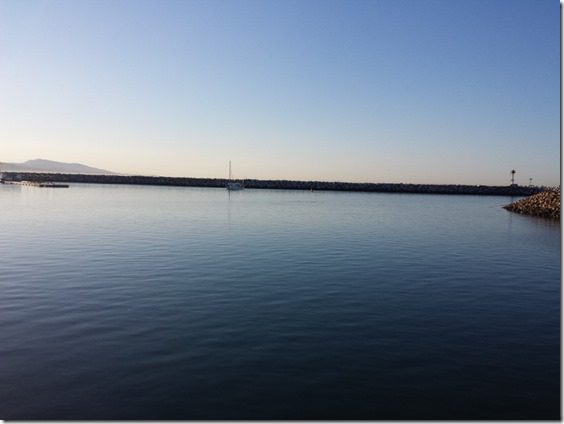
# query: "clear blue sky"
(429, 91)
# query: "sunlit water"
(125, 302)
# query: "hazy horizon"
(29, 166)
(406, 91)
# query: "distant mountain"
(42, 165)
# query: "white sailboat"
(233, 185)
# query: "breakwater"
(277, 184)
(545, 204)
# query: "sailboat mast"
(229, 170)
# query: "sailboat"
(233, 185)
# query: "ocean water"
(130, 302)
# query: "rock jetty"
(509, 190)
(545, 204)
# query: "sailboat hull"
(234, 186)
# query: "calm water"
(124, 302)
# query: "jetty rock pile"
(545, 204)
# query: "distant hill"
(43, 165)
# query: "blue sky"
(429, 91)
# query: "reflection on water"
(131, 302)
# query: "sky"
(412, 91)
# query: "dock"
(36, 184)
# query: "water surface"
(130, 302)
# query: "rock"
(545, 204)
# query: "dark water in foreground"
(123, 302)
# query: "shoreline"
(509, 190)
